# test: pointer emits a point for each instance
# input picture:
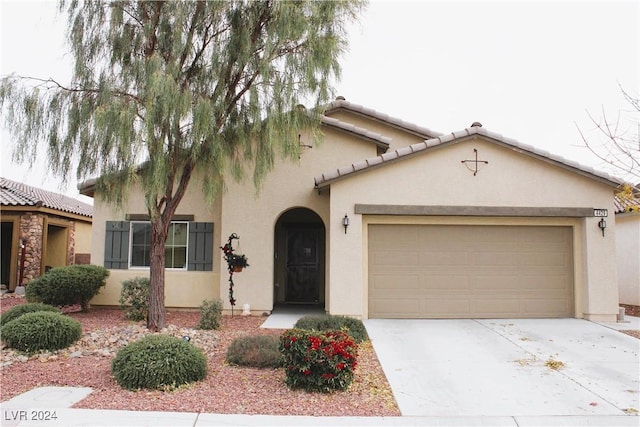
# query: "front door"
(303, 266)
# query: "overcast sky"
(531, 71)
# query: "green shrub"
(257, 351)
(42, 330)
(134, 298)
(210, 314)
(73, 284)
(158, 362)
(318, 361)
(19, 310)
(354, 327)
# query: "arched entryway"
(300, 259)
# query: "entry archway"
(299, 258)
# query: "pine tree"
(163, 90)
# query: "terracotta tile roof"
(14, 193)
(626, 204)
(378, 139)
(341, 103)
(326, 179)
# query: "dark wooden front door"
(303, 265)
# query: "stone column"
(31, 232)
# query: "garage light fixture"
(602, 224)
(345, 223)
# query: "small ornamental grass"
(19, 310)
(354, 327)
(134, 298)
(257, 351)
(158, 362)
(41, 330)
(318, 361)
(210, 314)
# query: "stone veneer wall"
(31, 228)
(71, 253)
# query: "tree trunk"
(156, 314)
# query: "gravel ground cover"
(226, 390)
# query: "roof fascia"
(46, 211)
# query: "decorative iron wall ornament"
(474, 164)
(235, 264)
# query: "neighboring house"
(389, 219)
(40, 230)
(628, 248)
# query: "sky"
(533, 71)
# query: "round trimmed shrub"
(354, 327)
(19, 310)
(134, 298)
(257, 351)
(42, 330)
(158, 362)
(73, 284)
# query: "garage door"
(433, 271)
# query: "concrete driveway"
(505, 367)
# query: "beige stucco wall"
(253, 217)
(83, 237)
(249, 213)
(184, 289)
(438, 178)
(628, 253)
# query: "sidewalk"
(66, 417)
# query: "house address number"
(600, 213)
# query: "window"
(189, 245)
(175, 249)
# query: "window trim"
(147, 267)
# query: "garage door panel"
(546, 307)
(396, 258)
(453, 307)
(447, 282)
(395, 308)
(505, 307)
(470, 271)
(444, 258)
(396, 282)
(493, 283)
(547, 282)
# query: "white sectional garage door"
(452, 271)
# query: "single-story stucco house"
(40, 230)
(387, 219)
(628, 248)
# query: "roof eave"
(88, 187)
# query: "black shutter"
(200, 246)
(116, 245)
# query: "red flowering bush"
(318, 361)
